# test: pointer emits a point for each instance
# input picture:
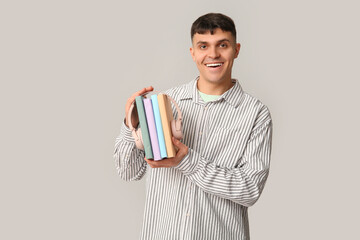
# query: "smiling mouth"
(214, 65)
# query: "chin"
(214, 79)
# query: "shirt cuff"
(125, 133)
(189, 163)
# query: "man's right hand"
(134, 115)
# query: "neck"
(211, 88)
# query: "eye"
(223, 45)
(202, 46)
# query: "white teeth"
(214, 64)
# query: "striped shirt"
(208, 194)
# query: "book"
(152, 128)
(144, 127)
(158, 125)
(166, 118)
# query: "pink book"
(152, 128)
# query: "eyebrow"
(222, 40)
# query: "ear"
(237, 50)
(192, 53)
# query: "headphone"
(176, 126)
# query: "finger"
(147, 160)
(145, 90)
(150, 88)
(182, 148)
(139, 93)
(152, 163)
(176, 142)
(142, 91)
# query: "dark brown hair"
(211, 21)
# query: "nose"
(214, 53)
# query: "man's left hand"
(170, 162)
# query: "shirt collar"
(232, 96)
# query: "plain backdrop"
(68, 67)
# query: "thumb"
(176, 142)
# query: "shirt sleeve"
(129, 160)
(242, 184)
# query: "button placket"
(206, 115)
(197, 130)
(201, 128)
(187, 209)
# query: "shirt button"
(188, 214)
(200, 133)
(205, 107)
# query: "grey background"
(68, 67)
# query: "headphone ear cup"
(176, 133)
(138, 139)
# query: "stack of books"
(155, 116)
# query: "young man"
(223, 161)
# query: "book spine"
(166, 124)
(152, 129)
(158, 125)
(144, 127)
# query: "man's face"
(214, 55)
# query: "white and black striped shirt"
(207, 195)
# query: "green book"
(144, 127)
